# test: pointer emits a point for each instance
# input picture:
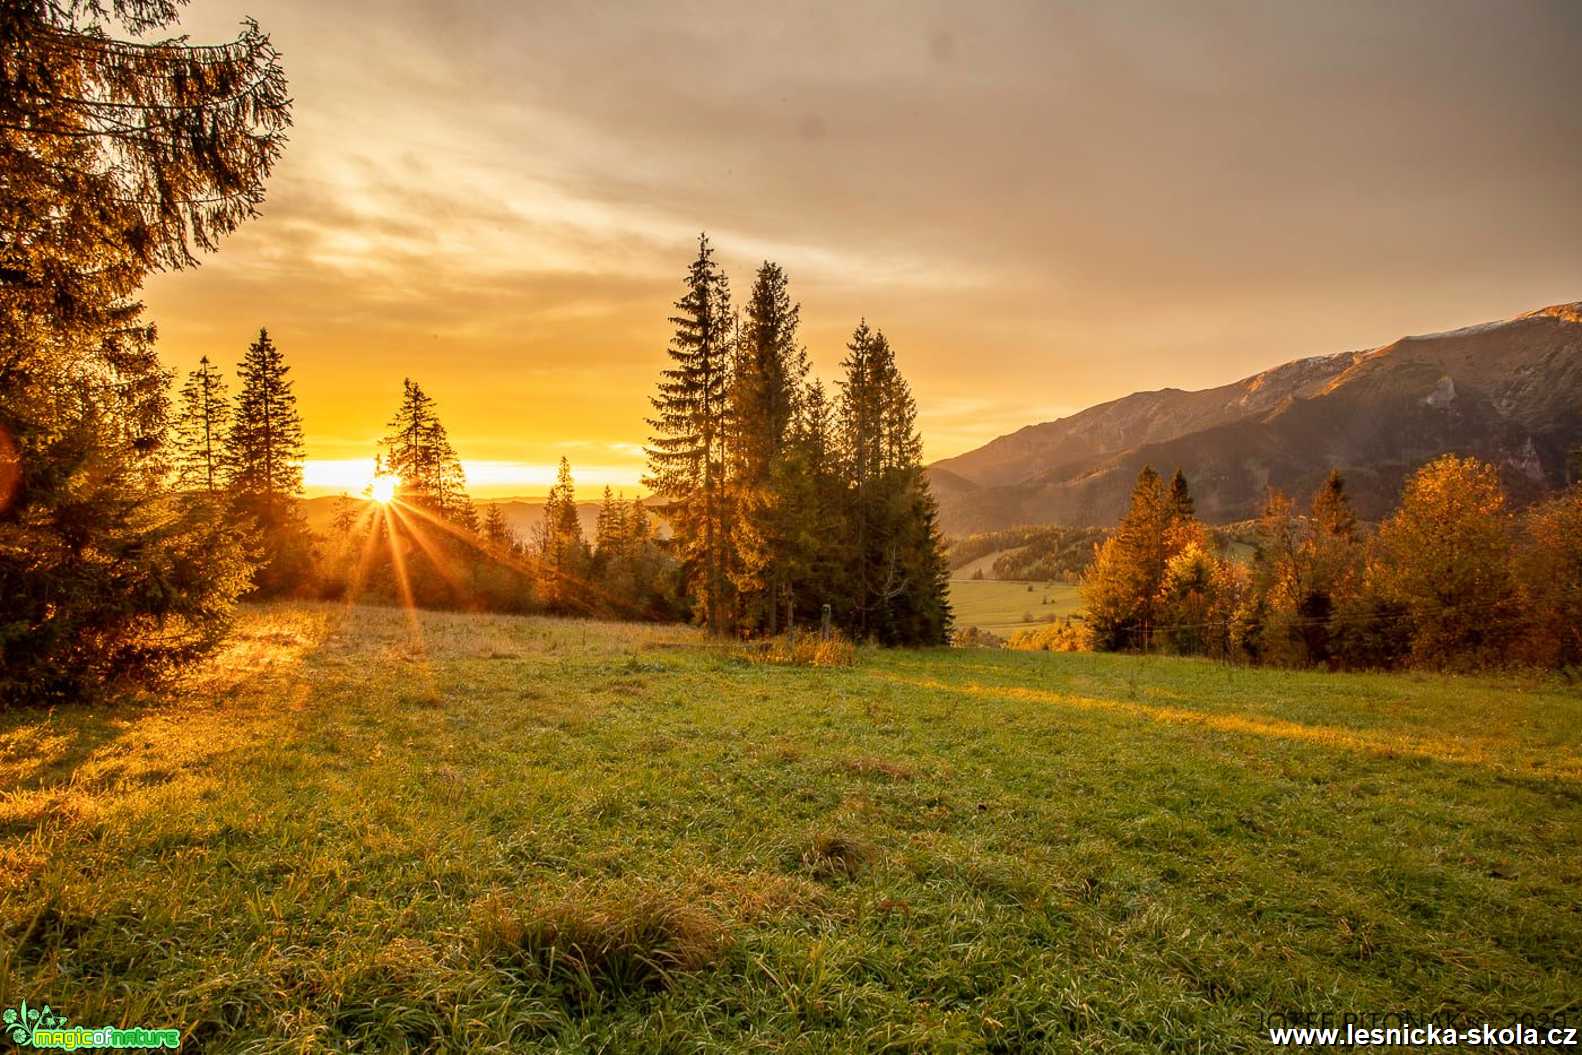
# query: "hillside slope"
(1509, 392)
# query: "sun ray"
(404, 584)
(531, 565)
(436, 557)
(359, 579)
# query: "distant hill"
(1509, 392)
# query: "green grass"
(1003, 605)
(529, 835)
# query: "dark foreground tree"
(116, 158)
(892, 580)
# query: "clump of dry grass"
(837, 855)
(604, 939)
(804, 650)
(879, 768)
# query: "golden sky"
(1044, 206)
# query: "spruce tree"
(202, 425)
(418, 452)
(610, 532)
(1181, 496)
(1332, 515)
(686, 453)
(496, 532)
(1122, 586)
(765, 393)
(265, 450)
(263, 461)
(561, 546)
(115, 161)
(893, 567)
(859, 414)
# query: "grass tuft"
(837, 855)
(804, 650)
(604, 940)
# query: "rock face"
(1508, 392)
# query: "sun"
(383, 489)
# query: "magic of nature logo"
(44, 1027)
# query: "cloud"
(1044, 205)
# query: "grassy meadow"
(1002, 605)
(356, 832)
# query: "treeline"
(1453, 579)
(784, 501)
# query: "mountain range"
(1509, 392)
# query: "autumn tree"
(1304, 569)
(687, 449)
(1121, 589)
(116, 160)
(1199, 596)
(1549, 575)
(1445, 556)
(202, 425)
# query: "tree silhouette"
(202, 425)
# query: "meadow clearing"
(1002, 605)
(358, 830)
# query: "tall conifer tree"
(686, 453)
(766, 391)
(263, 461)
(265, 450)
(417, 450)
(202, 424)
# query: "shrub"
(1068, 635)
(975, 637)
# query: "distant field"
(525, 835)
(1003, 606)
(984, 563)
